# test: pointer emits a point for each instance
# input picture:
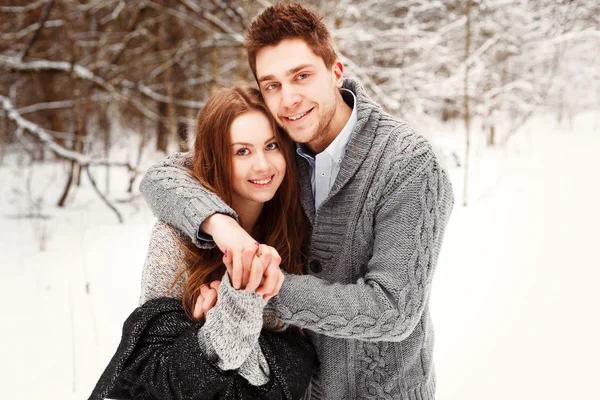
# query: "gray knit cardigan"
(372, 251)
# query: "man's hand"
(206, 300)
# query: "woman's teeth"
(262, 182)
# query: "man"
(377, 201)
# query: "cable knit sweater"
(373, 248)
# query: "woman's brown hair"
(281, 223)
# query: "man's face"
(300, 92)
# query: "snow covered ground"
(514, 298)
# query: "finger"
(209, 301)
(227, 260)
(256, 275)
(265, 254)
(215, 285)
(204, 290)
(277, 286)
(247, 259)
(271, 276)
(198, 313)
(236, 277)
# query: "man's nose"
(289, 97)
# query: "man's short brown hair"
(288, 21)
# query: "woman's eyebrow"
(250, 144)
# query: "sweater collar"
(368, 114)
(359, 145)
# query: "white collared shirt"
(325, 166)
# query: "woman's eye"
(242, 152)
(272, 146)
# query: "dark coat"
(159, 358)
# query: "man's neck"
(342, 114)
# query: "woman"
(242, 156)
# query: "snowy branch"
(41, 134)
(162, 98)
(31, 28)
(29, 7)
(79, 72)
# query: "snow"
(513, 300)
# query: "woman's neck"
(248, 211)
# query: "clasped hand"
(255, 268)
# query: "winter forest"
(93, 92)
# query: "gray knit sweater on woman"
(229, 336)
(372, 251)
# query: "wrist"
(215, 223)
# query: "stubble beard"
(322, 130)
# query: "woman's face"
(258, 163)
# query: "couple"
(358, 256)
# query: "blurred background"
(93, 92)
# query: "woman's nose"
(261, 163)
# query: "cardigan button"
(315, 266)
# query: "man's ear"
(338, 73)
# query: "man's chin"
(300, 135)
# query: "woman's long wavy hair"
(281, 223)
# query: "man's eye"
(272, 146)
(243, 152)
(302, 76)
(271, 86)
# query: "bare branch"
(57, 105)
(79, 72)
(43, 19)
(41, 134)
(29, 7)
(31, 28)
(161, 98)
(212, 18)
(104, 199)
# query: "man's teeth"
(297, 116)
(261, 182)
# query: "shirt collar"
(337, 148)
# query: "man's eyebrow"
(291, 71)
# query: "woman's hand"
(206, 300)
(261, 271)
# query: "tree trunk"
(169, 111)
(182, 136)
(63, 198)
(3, 136)
(47, 82)
(104, 125)
(466, 103)
(162, 133)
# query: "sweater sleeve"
(388, 301)
(178, 199)
(230, 334)
(163, 262)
